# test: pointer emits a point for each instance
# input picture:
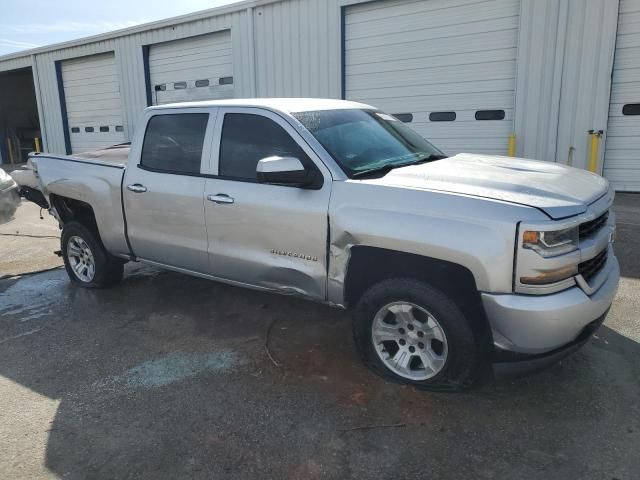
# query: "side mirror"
(287, 171)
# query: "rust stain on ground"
(415, 405)
(307, 471)
(314, 362)
(355, 399)
(359, 398)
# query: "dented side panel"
(93, 183)
(269, 236)
(475, 233)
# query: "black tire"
(108, 269)
(464, 358)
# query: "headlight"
(552, 243)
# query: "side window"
(173, 143)
(247, 139)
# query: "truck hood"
(558, 190)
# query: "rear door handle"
(137, 188)
(221, 199)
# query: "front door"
(265, 235)
(164, 193)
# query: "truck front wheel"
(87, 262)
(410, 332)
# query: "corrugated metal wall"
(129, 55)
(15, 63)
(586, 79)
(293, 48)
(564, 77)
(298, 49)
(540, 58)
(296, 45)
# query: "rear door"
(163, 193)
(265, 235)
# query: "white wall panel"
(297, 45)
(15, 63)
(540, 58)
(586, 78)
(565, 59)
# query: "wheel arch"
(72, 210)
(370, 265)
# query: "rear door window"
(173, 143)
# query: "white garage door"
(92, 98)
(622, 154)
(197, 68)
(448, 65)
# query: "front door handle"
(220, 199)
(137, 188)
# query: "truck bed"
(116, 155)
(94, 178)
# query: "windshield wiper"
(390, 166)
(373, 171)
(429, 158)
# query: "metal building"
(557, 80)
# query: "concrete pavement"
(166, 376)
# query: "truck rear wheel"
(409, 332)
(87, 262)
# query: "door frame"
(214, 158)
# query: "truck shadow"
(166, 376)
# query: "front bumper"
(544, 324)
(508, 364)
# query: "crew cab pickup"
(450, 264)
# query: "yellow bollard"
(594, 149)
(511, 150)
(37, 140)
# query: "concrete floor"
(166, 376)
(27, 242)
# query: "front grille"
(592, 267)
(591, 227)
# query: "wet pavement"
(166, 376)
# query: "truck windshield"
(363, 141)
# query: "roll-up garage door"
(92, 98)
(622, 153)
(196, 68)
(448, 66)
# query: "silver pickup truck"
(451, 265)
